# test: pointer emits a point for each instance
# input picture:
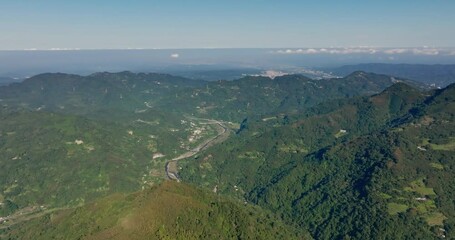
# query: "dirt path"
(223, 132)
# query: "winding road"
(171, 166)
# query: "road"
(171, 166)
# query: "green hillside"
(121, 96)
(439, 74)
(376, 167)
(168, 211)
(342, 158)
(256, 96)
(54, 160)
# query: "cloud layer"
(428, 51)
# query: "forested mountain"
(370, 167)
(104, 133)
(168, 211)
(103, 94)
(342, 158)
(440, 75)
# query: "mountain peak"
(359, 74)
(400, 87)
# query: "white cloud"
(64, 49)
(415, 51)
(330, 51)
(312, 51)
(175, 55)
(396, 51)
(370, 50)
(425, 51)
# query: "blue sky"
(112, 24)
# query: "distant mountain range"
(437, 75)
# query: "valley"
(171, 166)
(307, 154)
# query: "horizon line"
(218, 48)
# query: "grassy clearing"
(437, 166)
(252, 155)
(426, 206)
(425, 191)
(418, 186)
(421, 208)
(292, 148)
(444, 147)
(449, 146)
(395, 208)
(435, 219)
(385, 196)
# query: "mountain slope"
(91, 95)
(440, 75)
(270, 142)
(103, 95)
(57, 160)
(387, 175)
(256, 96)
(168, 211)
(67, 140)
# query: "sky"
(172, 24)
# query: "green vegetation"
(322, 155)
(435, 219)
(341, 133)
(440, 75)
(449, 146)
(419, 187)
(114, 96)
(385, 196)
(167, 211)
(374, 172)
(60, 160)
(437, 166)
(395, 208)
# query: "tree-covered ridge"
(376, 167)
(168, 211)
(438, 74)
(103, 94)
(282, 136)
(94, 94)
(256, 96)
